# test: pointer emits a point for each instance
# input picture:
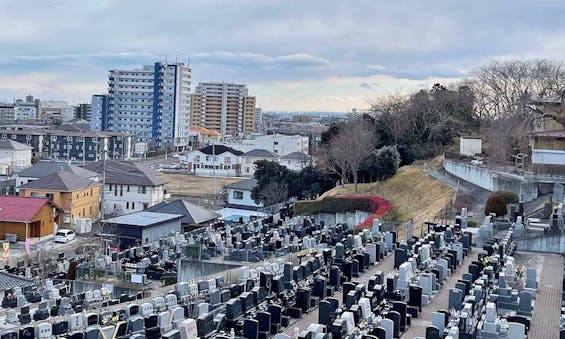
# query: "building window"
(127, 189)
(238, 195)
(133, 205)
(127, 205)
(141, 190)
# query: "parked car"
(64, 235)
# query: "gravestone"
(388, 326)
(525, 304)
(531, 278)
(438, 321)
(516, 330)
(432, 332)
(455, 299)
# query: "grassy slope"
(413, 193)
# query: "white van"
(64, 235)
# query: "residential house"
(214, 160)
(19, 154)
(28, 217)
(128, 186)
(194, 216)
(547, 141)
(295, 161)
(79, 197)
(144, 227)
(248, 160)
(46, 168)
(238, 195)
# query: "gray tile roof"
(245, 184)
(144, 218)
(127, 173)
(8, 280)
(13, 145)
(296, 156)
(45, 168)
(260, 153)
(193, 214)
(60, 181)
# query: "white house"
(295, 161)
(248, 160)
(238, 195)
(19, 154)
(128, 187)
(214, 160)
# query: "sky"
(314, 55)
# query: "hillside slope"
(413, 193)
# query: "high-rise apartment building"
(99, 112)
(223, 107)
(151, 103)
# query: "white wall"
(246, 199)
(248, 166)
(480, 176)
(121, 201)
(470, 146)
(293, 164)
(20, 159)
(548, 156)
(278, 144)
(227, 164)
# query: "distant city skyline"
(293, 55)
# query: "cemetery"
(288, 276)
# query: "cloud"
(257, 59)
(346, 48)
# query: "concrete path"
(547, 308)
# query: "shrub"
(496, 204)
(509, 196)
(471, 223)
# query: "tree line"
(494, 102)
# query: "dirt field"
(413, 193)
(195, 186)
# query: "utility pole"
(214, 167)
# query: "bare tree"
(346, 151)
(392, 113)
(274, 192)
(504, 91)
(503, 88)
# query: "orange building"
(78, 197)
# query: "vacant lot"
(195, 186)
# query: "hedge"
(377, 205)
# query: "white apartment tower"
(223, 107)
(151, 103)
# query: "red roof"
(20, 209)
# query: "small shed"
(144, 227)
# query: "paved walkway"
(440, 301)
(386, 266)
(547, 308)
